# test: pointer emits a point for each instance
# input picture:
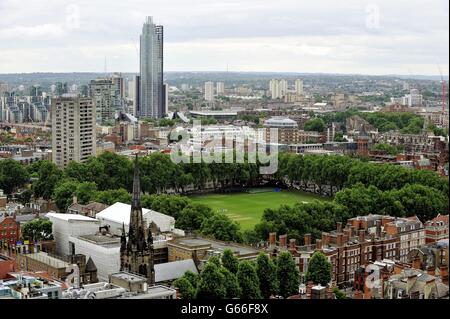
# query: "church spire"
(136, 202)
(123, 239)
(136, 254)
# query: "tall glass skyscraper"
(151, 97)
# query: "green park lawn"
(247, 208)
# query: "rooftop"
(193, 242)
(128, 277)
(213, 113)
(120, 213)
(48, 260)
(100, 239)
(70, 217)
(174, 270)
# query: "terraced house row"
(367, 239)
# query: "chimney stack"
(339, 240)
(307, 239)
(352, 231)
(318, 244)
(362, 236)
(347, 232)
(272, 239)
(344, 239)
(283, 241)
(339, 227)
(443, 272)
(292, 244)
(378, 228)
(325, 239)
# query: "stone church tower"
(136, 253)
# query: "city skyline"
(361, 37)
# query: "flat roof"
(101, 239)
(48, 260)
(68, 217)
(216, 245)
(128, 277)
(212, 113)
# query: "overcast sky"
(346, 36)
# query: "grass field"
(247, 208)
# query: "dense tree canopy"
(221, 227)
(187, 291)
(248, 280)
(230, 261)
(358, 188)
(287, 274)
(319, 269)
(212, 283)
(315, 124)
(12, 175)
(267, 274)
(37, 229)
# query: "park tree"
(421, 201)
(287, 274)
(64, 193)
(85, 192)
(48, 176)
(221, 227)
(25, 196)
(192, 216)
(319, 269)
(212, 283)
(170, 205)
(250, 237)
(187, 291)
(215, 260)
(316, 124)
(37, 229)
(360, 200)
(230, 261)
(231, 284)
(112, 196)
(267, 274)
(12, 176)
(248, 280)
(192, 278)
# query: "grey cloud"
(410, 32)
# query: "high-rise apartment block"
(299, 87)
(220, 88)
(134, 87)
(278, 88)
(106, 97)
(73, 129)
(209, 91)
(152, 99)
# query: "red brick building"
(9, 231)
(363, 240)
(7, 265)
(436, 229)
